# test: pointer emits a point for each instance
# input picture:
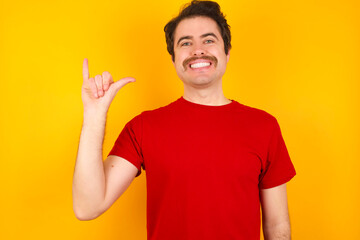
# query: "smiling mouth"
(200, 65)
(209, 60)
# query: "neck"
(208, 96)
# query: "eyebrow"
(209, 34)
(202, 36)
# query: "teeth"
(199, 65)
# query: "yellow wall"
(298, 60)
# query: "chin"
(201, 82)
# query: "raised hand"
(98, 92)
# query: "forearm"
(89, 176)
(280, 231)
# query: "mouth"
(199, 65)
(202, 62)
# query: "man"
(210, 161)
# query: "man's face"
(200, 58)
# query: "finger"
(99, 85)
(93, 87)
(107, 80)
(122, 82)
(85, 70)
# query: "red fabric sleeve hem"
(278, 182)
(130, 160)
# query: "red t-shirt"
(204, 168)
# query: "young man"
(210, 161)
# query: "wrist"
(94, 111)
(94, 117)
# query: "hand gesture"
(97, 93)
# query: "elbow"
(85, 216)
(86, 210)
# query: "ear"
(228, 55)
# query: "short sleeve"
(278, 167)
(128, 143)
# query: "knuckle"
(98, 80)
(106, 77)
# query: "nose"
(198, 51)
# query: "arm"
(275, 215)
(97, 184)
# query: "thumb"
(116, 86)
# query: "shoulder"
(256, 115)
(159, 112)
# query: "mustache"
(190, 59)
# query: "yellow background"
(298, 60)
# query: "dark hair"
(198, 8)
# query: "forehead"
(195, 27)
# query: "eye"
(209, 41)
(185, 44)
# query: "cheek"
(179, 59)
(178, 66)
(179, 56)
